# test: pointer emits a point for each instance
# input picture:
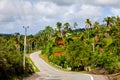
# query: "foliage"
(95, 46)
(58, 49)
(77, 56)
(11, 64)
(106, 61)
(59, 60)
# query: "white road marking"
(91, 77)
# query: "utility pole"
(24, 54)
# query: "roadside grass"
(117, 75)
(33, 65)
(44, 57)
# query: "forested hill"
(93, 48)
(5, 34)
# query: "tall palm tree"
(96, 25)
(59, 26)
(118, 21)
(66, 26)
(88, 25)
(75, 24)
(49, 32)
(108, 21)
(17, 36)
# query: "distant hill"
(5, 35)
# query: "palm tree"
(49, 32)
(108, 21)
(96, 25)
(59, 26)
(118, 21)
(75, 24)
(66, 26)
(88, 25)
(17, 36)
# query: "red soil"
(58, 53)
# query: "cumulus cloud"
(115, 11)
(40, 13)
(82, 12)
(46, 8)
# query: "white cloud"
(115, 11)
(46, 8)
(82, 12)
(90, 11)
(40, 13)
(2, 4)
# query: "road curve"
(50, 73)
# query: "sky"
(14, 14)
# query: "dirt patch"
(58, 53)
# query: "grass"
(117, 75)
(33, 65)
(44, 57)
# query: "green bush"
(106, 61)
(58, 49)
(59, 60)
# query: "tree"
(88, 25)
(96, 25)
(59, 26)
(66, 26)
(49, 32)
(118, 21)
(11, 58)
(75, 24)
(78, 55)
(108, 21)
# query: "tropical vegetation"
(91, 48)
(11, 56)
(95, 47)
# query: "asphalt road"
(50, 73)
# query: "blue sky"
(39, 13)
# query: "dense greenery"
(96, 46)
(11, 57)
(87, 49)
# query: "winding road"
(50, 73)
